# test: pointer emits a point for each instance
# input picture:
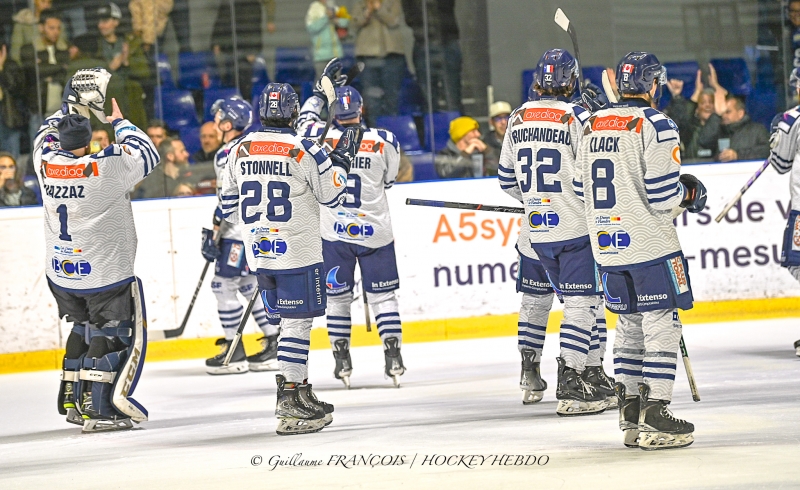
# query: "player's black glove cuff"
(593, 97)
(694, 196)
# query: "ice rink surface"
(457, 398)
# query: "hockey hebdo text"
(351, 461)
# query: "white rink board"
(427, 240)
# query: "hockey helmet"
(278, 101)
(234, 109)
(348, 103)
(636, 72)
(794, 78)
(556, 69)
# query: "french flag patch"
(346, 102)
(548, 68)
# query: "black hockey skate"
(344, 365)
(238, 364)
(597, 377)
(394, 361)
(628, 416)
(658, 428)
(95, 422)
(267, 359)
(797, 348)
(530, 380)
(295, 415)
(310, 398)
(576, 397)
(67, 404)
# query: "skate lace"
(585, 387)
(668, 415)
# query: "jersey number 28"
(277, 197)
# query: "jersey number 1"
(62, 218)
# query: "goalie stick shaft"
(687, 364)
(238, 337)
(354, 72)
(464, 205)
(741, 192)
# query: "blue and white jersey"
(88, 221)
(364, 217)
(230, 231)
(273, 184)
(537, 164)
(785, 149)
(629, 164)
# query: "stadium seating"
(197, 70)
(404, 128)
(424, 168)
(294, 65)
(734, 75)
(680, 70)
(191, 139)
(260, 77)
(211, 95)
(178, 108)
(165, 71)
(441, 129)
(411, 101)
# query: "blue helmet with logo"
(278, 101)
(347, 104)
(636, 72)
(234, 109)
(557, 69)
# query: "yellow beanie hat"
(460, 126)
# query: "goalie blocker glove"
(694, 193)
(347, 147)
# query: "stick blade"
(562, 20)
(330, 92)
(608, 88)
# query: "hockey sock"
(576, 330)
(629, 351)
(595, 355)
(262, 318)
(532, 324)
(293, 346)
(602, 332)
(662, 335)
(338, 317)
(386, 310)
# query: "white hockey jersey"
(537, 164)
(364, 217)
(89, 229)
(230, 231)
(273, 184)
(786, 151)
(628, 169)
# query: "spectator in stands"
(691, 115)
(465, 154)
(379, 44)
(173, 170)
(210, 141)
(732, 135)
(126, 61)
(100, 136)
(445, 51)
(183, 189)
(180, 23)
(321, 24)
(12, 109)
(12, 192)
(157, 131)
(499, 113)
(249, 21)
(149, 20)
(45, 65)
(25, 26)
(793, 11)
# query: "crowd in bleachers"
(45, 43)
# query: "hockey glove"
(209, 247)
(593, 97)
(775, 134)
(347, 147)
(87, 89)
(694, 193)
(333, 71)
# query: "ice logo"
(331, 280)
(270, 248)
(548, 219)
(71, 269)
(620, 240)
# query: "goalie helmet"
(557, 69)
(278, 101)
(636, 72)
(234, 109)
(85, 91)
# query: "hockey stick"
(464, 205)
(330, 94)
(608, 88)
(238, 337)
(741, 192)
(564, 23)
(366, 305)
(354, 72)
(689, 373)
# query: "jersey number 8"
(604, 195)
(277, 197)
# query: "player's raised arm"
(310, 112)
(327, 175)
(133, 146)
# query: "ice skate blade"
(73, 417)
(574, 408)
(328, 419)
(396, 380)
(530, 397)
(631, 438)
(612, 402)
(346, 381)
(101, 425)
(797, 352)
(232, 368)
(292, 426)
(258, 367)
(652, 441)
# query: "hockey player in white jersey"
(273, 184)
(359, 231)
(536, 167)
(629, 174)
(784, 153)
(90, 251)
(224, 246)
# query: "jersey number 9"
(277, 200)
